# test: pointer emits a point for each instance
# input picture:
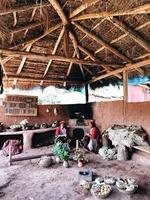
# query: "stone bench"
(28, 135)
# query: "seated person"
(61, 132)
(93, 140)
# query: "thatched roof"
(73, 42)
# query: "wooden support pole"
(125, 85)
(11, 159)
(86, 93)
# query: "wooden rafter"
(75, 45)
(92, 57)
(54, 50)
(28, 26)
(142, 56)
(66, 41)
(132, 33)
(83, 7)
(23, 8)
(59, 11)
(39, 56)
(144, 9)
(128, 67)
(38, 80)
(122, 36)
(2, 65)
(23, 61)
(102, 42)
(70, 65)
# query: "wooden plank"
(120, 70)
(144, 9)
(102, 42)
(145, 149)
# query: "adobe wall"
(118, 112)
(43, 116)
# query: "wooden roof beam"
(122, 36)
(54, 50)
(83, 7)
(131, 33)
(128, 67)
(28, 26)
(75, 45)
(11, 77)
(39, 56)
(59, 11)
(144, 9)
(102, 42)
(23, 8)
(23, 61)
(95, 59)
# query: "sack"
(15, 145)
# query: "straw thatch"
(91, 41)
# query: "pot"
(57, 159)
(80, 164)
(65, 164)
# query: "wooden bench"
(142, 155)
(27, 135)
(145, 149)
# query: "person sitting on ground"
(61, 132)
(95, 137)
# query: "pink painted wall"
(118, 112)
(136, 94)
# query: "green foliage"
(61, 150)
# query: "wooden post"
(10, 156)
(86, 93)
(125, 86)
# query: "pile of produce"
(127, 186)
(102, 187)
(80, 156)
(107, 153)
(101, 190)
(16, 127)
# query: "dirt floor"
(27, 181)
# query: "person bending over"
(95, 137)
